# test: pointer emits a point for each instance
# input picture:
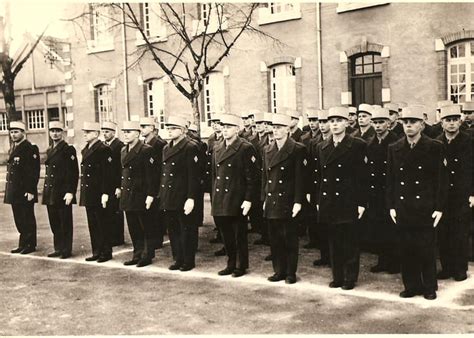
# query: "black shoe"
(143, 262)
(335, 284)
(430, 295)
(65, 255)
(94, 258)
(133, 261)
(320, 262)
(393, 270)
(54, 254)
(460, 277)
(348, 285)
(174, 266)
(27, 250)
(215, 240)
(409, 293)
(118, 243)
(104, 258)
(309, 246)
(276, 277)
(253, 230)
(259, 241)
(220, 252)
(159, 246)
(186, 267)
(238, 273)
(268, 258)
(443, 274)
(226, 271)
(290, 279)
(17, 250)
(377, 268)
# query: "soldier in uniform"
(59, 192)
(314, 131)
(341, 196)
(251, 116)
(114, 214)
(352, 125)
(416, 191)
(138, 192)
(23, 168)
(246, 132)
(365, 131)
(179, 188)
(234, 173)
(382, 231)
(468, 111)
(436, 129)
(96, 186)
(283, 192)
(453, 231)
(295, 132)
(395, 126)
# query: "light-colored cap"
(231, 120)
(268, 117)
(109, 125)
(244, 115)
(352, 110)
(259, 117)
(294, 114)
(338, 112)
(451, 110)
(147, 121)
(443, 103)
(468, 106)
(391, 106)
(176, 121)
(374, 106)
(312, 113)
(323, 114)
(401, 105)
(193, 127)
(281, 120)
(253, 112)
(364, 107)
(17, 125)
(91, 126)
(380, 113)
(413, 112)
(214, 117)
(55, 125)
(131, 125)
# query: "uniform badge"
(152, 160)
(445, 162)
(16, 160)
(305, 162)
(73, 157)
(34, 156)
(195, 159)
(253, 159)
(109, 159)
(366, 160)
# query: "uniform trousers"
(140, 232)
(234, 234)
(284, 245)
(344, 252)
(418, 258)
(453, 238)
(25, 222)
(116, 221)
(60, 220)
(183, 234)
(157, 228)
(321, 234)
(98, 230)
(256, 218)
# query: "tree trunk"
(196, 114)
(8, 91)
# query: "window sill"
(35, 131)
(94, 46)
(265, 18)
(198, 27)
(156, 39)
(353, 6)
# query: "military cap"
(391, 107)
(468, 106)
(451, 110)
(413, 112)
(17, 125)
(176, 121)
(253, 112)
(338, 112)
(380, 113)
(109, 125)
(281, 120)
(193, 127)
(244, 115)
(91, 126)
(443, 103)
(268, 117)
(231, 120)
(214, 117)
(312, 113)
(147, 121)
(352, 110)
(401, 105)
(294, 114)
(131, 125)
(55, 125)
(365, 108)
(323, 114)
(259, 117)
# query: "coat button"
(229, 165)
(269, 194)
(372, 187)
(163, 174)
(385, 162)
(315, 170)
(128, 189)
(315, 182)
(324, 193)
(339, 165)
(417, 182)
(171, 175)
(383, 174)
(226, 177)
(269, 169)
(371, 162)
(207, 172)
(122, 177)
(280, 194)
(88, 175)
(218, 177)
(218, 165)
(269, 181)
(372, 174)
(162, 185)
(401, 197)
(282, 168)
(455, 160)
(172, 163)
(452, 185)
(401, 169)
(402, 183)
(325, 179)
(121, 188)
(420, 167)
(417, 197)
(226, 190)
(337, 194)
(452, 172)
(217, 189)
(169, 186)
(164, 163)
(280, 181)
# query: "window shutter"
(142, 16)
(199, 11)
(145, 98)
(91, 21)
(96, 105)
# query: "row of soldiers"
(273, 172)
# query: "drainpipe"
(125, 66)
(318, 56)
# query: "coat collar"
(18, 148)
(411, 155)
(132, 153)
(223, 153)
(86, 152)
(333, 153)
(169, 152)
(277, 156)
(52, 151)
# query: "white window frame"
(282, 87)
(214, 95)
(466, 62)
(102, 39)
(353, 6)
(153, 26)
(155, 100)
(278, 12)
(104, 103)
(35, 119)
(210, 10)
(3, 122)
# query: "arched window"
(214, 95)
(366, 78)
(155, 100)
(282, 87)
(461, 72)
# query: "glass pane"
(358, 61)
(377, 67)
(462, 78)
(454, 69)
(462, 98)
(454, 89)
(368, 59)
(454, 98)
(462, 50)
(453, 51)
(454, 78)
(377, 58)
(358, 70)
(368, 69)
(472, 48)
(462, 68)
(462, 88)
(472, 88)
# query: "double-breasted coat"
(116, 168)
(62, 174)
(367, 136)
(211, 143)
(157, 144)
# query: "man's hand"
(29, 196)
(317, 207)
(471, 201)
(393, 215)
(148, 202)
(104, 199)
(296, 209)
(188, 206)
(361, 211)
(308, 198)
(263, 206)
(118, 192)
(246, 205)
(68, 198)
(437, 216)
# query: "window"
(214, 96)
(283, 87)
(151, 23)
(53, 114)
(103, 103)
(211, 18)
(461, 72)
(366, 79)
(278, 11)
(100, 28)
(3, 121)
(155, 101)
(35, 119)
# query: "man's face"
(17, 135)
(146, 130)
(412, 127)
(324, 126)
(393, 116)
(352, 118)
(451, 124)
(313, 124)
(129, 136)
(216, 126)
(108, 134)
(469, 115)
(174, 132)
(229, 131)
(364, 119)
(269, 128)
(246, 122)
(90, 135)
(337, 125)
(280, 132)
(380, 125)
(56, 134)
(260, 126)
(251, 120)
(294, 122)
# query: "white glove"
(29, 196)
(68, 198)
(263, 206)
(393, 215)
(246, 205)
(317, 207)
(148, 202)
(188, 206)
(437, 216)
(104, 199)
(118, 192)
(471, 201)
(361, 211)
(296, 209)
(308, 198)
